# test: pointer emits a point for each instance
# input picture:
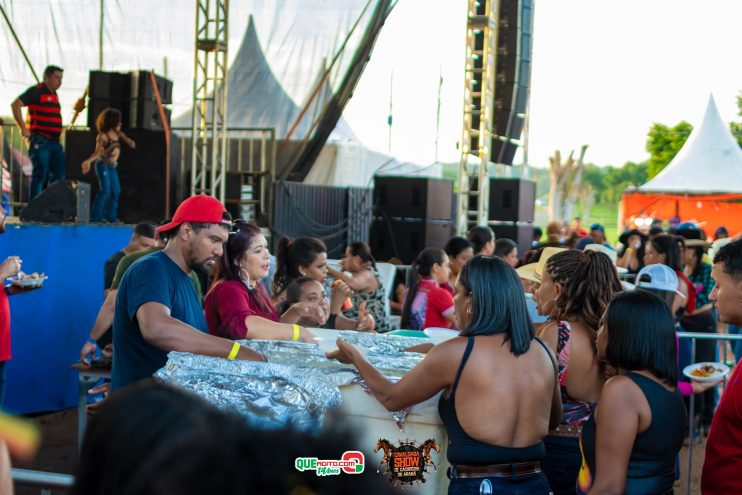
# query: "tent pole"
(100, 38)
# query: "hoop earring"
(246, 280)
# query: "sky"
(603, 72)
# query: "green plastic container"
(408, 333)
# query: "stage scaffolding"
(209, 146)
(473, 179)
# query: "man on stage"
(44, 129)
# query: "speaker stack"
(410, 214)
(511, 210)
(142, 172)
(131, 93)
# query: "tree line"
(571, 181)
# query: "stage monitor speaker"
(142, 173)
(414, 197)
(62, 201)
(521, 233)
(512, 200)
(404, 239)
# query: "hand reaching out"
(699, 387)
(365, 320)
(10, 267)
(87, 351)
(314, 312)
(346, 353)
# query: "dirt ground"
(58, 453)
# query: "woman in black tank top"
(630, 443)
(500, 389)
(106, 156)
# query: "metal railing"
(17, 147)
(249, 149)
(694, 337)
(42, 479)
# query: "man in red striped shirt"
(43, 130)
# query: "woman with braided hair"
(575, 289)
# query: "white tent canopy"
(710, 161)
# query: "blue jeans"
(530, 484)
(106, 204)
(47, 158)
(737, 344)
(562, 463)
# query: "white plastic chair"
(387, 273)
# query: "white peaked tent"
(257, 99)
(710, 161)
(702, 183)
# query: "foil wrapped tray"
(295, 387)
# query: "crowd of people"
(578, 368)
(584, 363)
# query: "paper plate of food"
(29, 280)
(706, 372)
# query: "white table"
(372, 422)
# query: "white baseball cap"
(658, 277)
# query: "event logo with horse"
(406, 463)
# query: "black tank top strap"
(467, 352)
(543, 345)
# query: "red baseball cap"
(199, 209)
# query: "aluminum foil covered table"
(299, 384)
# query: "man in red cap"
(157, 310)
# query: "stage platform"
(49, 325)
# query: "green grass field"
(607, 216)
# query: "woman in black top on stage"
(106, 158)
(630, 442)
(500, 391)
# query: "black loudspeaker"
(512, 200)
(414, 197)
(109, 85)
(521, 233)
(512, 77)
(109, 89)
(142, 172)
(404, 239)
(144, 112)
(62, 201)
(97, 105)
(147, 115)
(145, 90)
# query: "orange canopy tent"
(703, 183)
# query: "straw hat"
(533, 271)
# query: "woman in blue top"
(500, 391)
